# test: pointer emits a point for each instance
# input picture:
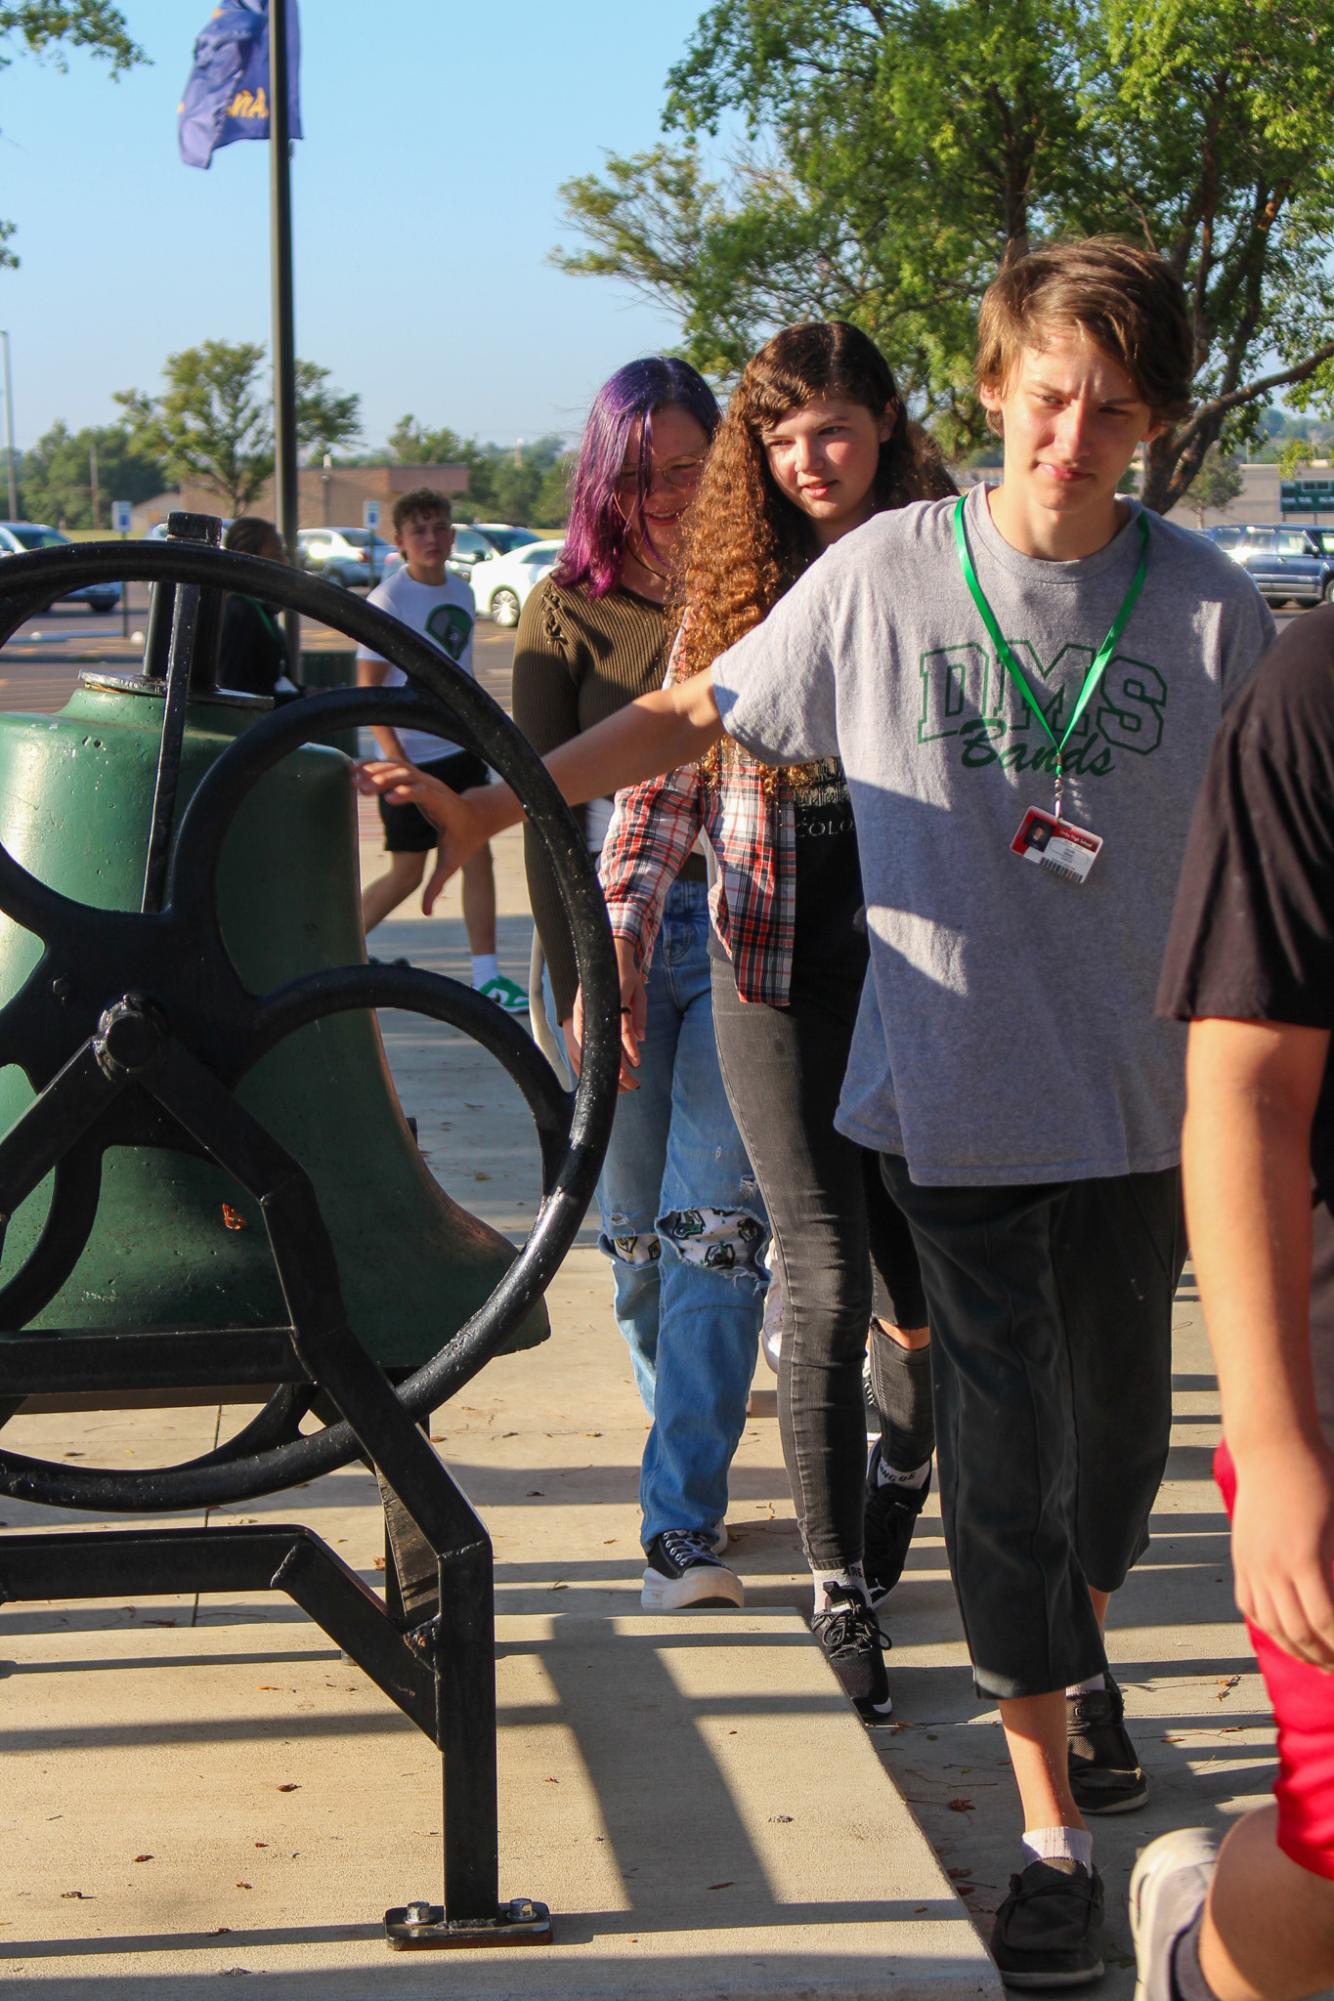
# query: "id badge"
(1058, 846)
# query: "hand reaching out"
(465, 821)
(634, 1016)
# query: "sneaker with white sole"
(1169, 1883)
(683, 1569)
(506, 994)
(854, 1646)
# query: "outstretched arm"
(1252, 1092)
(653, 829)
(657, 732)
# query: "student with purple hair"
(682, 1221)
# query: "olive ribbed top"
(577, 660)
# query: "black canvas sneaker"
(1048, 1932)
(683, 1569)
(854, 1647)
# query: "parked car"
(18, 537)
(350, 556)
(470, 547)
(506, 538)
(501, 584)
(1285, 562)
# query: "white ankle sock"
(892, 1476)
(1095, 1681)
(485, 966)
(1057, 1844)
(852, 1579)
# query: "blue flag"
(227, 92)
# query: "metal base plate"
(421, 1926)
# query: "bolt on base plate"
(522, 1921)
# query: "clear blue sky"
(424, 202)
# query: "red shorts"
(1302, 1698)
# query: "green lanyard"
(1011, 665)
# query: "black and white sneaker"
(683, 1569)
(890, 1513)
(854, 1648)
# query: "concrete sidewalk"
(197, 1789)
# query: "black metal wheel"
(162, 1010)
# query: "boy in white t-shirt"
(427, 597)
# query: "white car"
(501, 584)
(505, 536)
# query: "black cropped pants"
(1051, 1324)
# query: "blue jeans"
(684, 1227)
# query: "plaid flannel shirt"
(752, 898)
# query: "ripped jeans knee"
(629, 1247)
(725, 1240)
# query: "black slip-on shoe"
(1048, 1932)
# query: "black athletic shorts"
(408, 832)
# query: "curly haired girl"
(815, 441)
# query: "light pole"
(286, 476)
(9, 433)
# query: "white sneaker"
(683, 1569)
(1170, 1882)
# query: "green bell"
(175, 1242)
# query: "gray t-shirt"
(1006, 1030)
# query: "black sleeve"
(252, 652)
(1252, 935)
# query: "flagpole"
(285, 470)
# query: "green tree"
(46, 29)
(56, 477)
(895, 156)
(1294, 457)
(1218, 481)
(551, 507)
(414, 444)
(213, 423)
(504, 483)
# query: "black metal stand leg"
(466, 1683)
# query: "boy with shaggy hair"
(1023, 686)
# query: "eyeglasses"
(681, 475)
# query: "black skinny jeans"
(834, 1227)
